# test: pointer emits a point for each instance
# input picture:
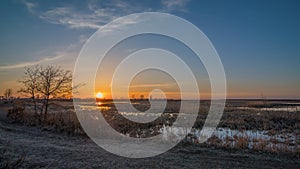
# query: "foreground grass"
(48, 149)
(64, 120)
(10, 157)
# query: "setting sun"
(99, 95)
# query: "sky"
(257, 41)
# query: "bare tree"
(8, 93)
(30, 81)
(53, 82)
(45, 83)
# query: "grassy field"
(248, 130)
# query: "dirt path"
(53, 150)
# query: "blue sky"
(257, 41)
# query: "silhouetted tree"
(46, 82)
(8, 93)
(53, 81)
(30, 81)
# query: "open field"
(46, 149)
(251, 134)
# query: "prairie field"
(249, 134)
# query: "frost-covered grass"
(254, 127)
(235, 139)
(9, 156)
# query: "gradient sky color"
(257, 41)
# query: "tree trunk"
(35, 107)
(46, 109)
(36, 116)
(41, 116)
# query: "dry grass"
(59, 119)
(63, 119)
(257, 145)
(241, 142)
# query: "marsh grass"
(62, 118)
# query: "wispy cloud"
(153, 85)
(95, 14)
(174, 5)
(67, 16)
(30, 63)
(63, 56)
(93, 17)
(29, 5)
